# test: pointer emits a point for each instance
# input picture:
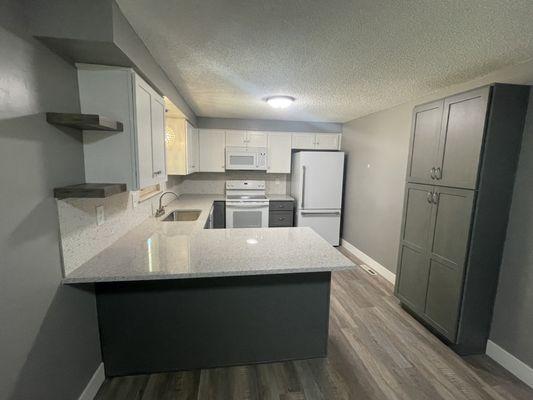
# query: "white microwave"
(246, 158)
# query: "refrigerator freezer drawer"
(326, 223)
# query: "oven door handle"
(246, 205)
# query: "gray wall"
(512, 325)
(97, 32)
(377, 149)
(49, 345)
(267, 125)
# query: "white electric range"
(246, 204)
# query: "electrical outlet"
(135, 199)
(100, 217)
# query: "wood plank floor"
(376, 351)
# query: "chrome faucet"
(161, 210)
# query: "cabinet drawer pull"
(281, 219)
(432, 173)
(435, 198)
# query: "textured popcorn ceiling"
(341, 59)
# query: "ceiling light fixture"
(280, 101)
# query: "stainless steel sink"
(183, 215)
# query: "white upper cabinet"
(256, 139)
(236, 138)
(303, 141)
(316, 141)
(212, 150)
(182, 147)
(279, 153)
(135, 156)
(327, 141)
(159, 166)
(193, 156)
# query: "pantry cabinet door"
(461, 138)
(451, 221)
(413, 266)
(425, 133)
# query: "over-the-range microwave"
(246, 158)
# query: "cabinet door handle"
(281, 218)
(432, 173)
(438, 173)
(429, 197)
(157, 173)
(435, 198)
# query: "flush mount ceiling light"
(280, 101)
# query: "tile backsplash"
(82, 238)
(214, 183)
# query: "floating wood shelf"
(92, 122)
(89, 190)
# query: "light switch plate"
(100, 217)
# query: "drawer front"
(280, 219)
(281, 205)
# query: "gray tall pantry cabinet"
(462, 161)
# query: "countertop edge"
(155, 277)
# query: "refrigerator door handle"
(318, 212)
(303, 187)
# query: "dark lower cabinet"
(453, 229)
(219, 215)
(281, 214)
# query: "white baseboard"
(94, 384)
(512, 364)
(380, 269)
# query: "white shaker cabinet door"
(192, 149)
(303, 141)
(256, 139)
(143, 114)
(279, 153)
(236, 138)
(212, 150)
(327, 141)
(158, 140)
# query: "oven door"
(246, 215)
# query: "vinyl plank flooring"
(376, 351)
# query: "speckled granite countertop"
(177, 250)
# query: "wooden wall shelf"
(92, 122)
(89, 190)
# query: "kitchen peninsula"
(175, 296)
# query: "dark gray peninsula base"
(182, 324)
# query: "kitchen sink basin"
(183, 215)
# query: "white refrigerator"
(316, 184)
